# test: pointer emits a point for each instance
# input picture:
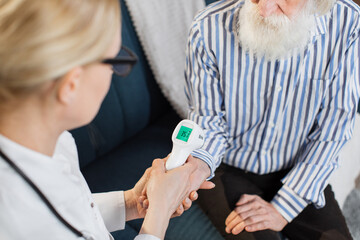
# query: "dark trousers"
(326, 223)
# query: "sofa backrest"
(131, 104)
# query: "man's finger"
(238, 228)
(253, 212)
(233, 223)
(187, 203)
(254, 219)
(141, 199)
(143, 192)
(231, 217)
(253, 205)
(146, 204)
(245, 198)
(207, 185)
(193, 196)
(244, 208)
(259, 226)
(180, 210)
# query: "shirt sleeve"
(112, 209)
(334, 124)
(205, 98)
(146, 237)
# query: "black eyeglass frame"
(122, 65)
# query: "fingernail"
(195, 195)
(187, 201)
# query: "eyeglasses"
(123, 63)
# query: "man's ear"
(69, 85)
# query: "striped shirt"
(264, 116)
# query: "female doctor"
(53, 77)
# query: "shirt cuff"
(208, 159)
(288, 203)
(146, 237)
(112, 209)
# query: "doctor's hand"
(169, 187)
(134, 208)
(196, 180)
(165, 191)
(252, 214)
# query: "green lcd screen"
(184, 133)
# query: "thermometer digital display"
(187, 137)
(184, 133)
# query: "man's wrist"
(206, 158)
(204, 168)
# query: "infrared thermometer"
(187, 137)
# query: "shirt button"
(92, 205)
(272, 125)
(279, 89)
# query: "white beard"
(276, 36)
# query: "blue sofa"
(133, 127)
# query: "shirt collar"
(21, 155)
(34, 164)
(321, 24)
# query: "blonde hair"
(41, 40)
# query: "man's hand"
(198, 181)
(252, 213)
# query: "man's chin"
(271, 51)
(275, 37)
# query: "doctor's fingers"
(189, 167)
(181, 177)
(158, 166)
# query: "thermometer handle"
(177, 157)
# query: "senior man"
(275, 85)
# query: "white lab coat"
(23, 215)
